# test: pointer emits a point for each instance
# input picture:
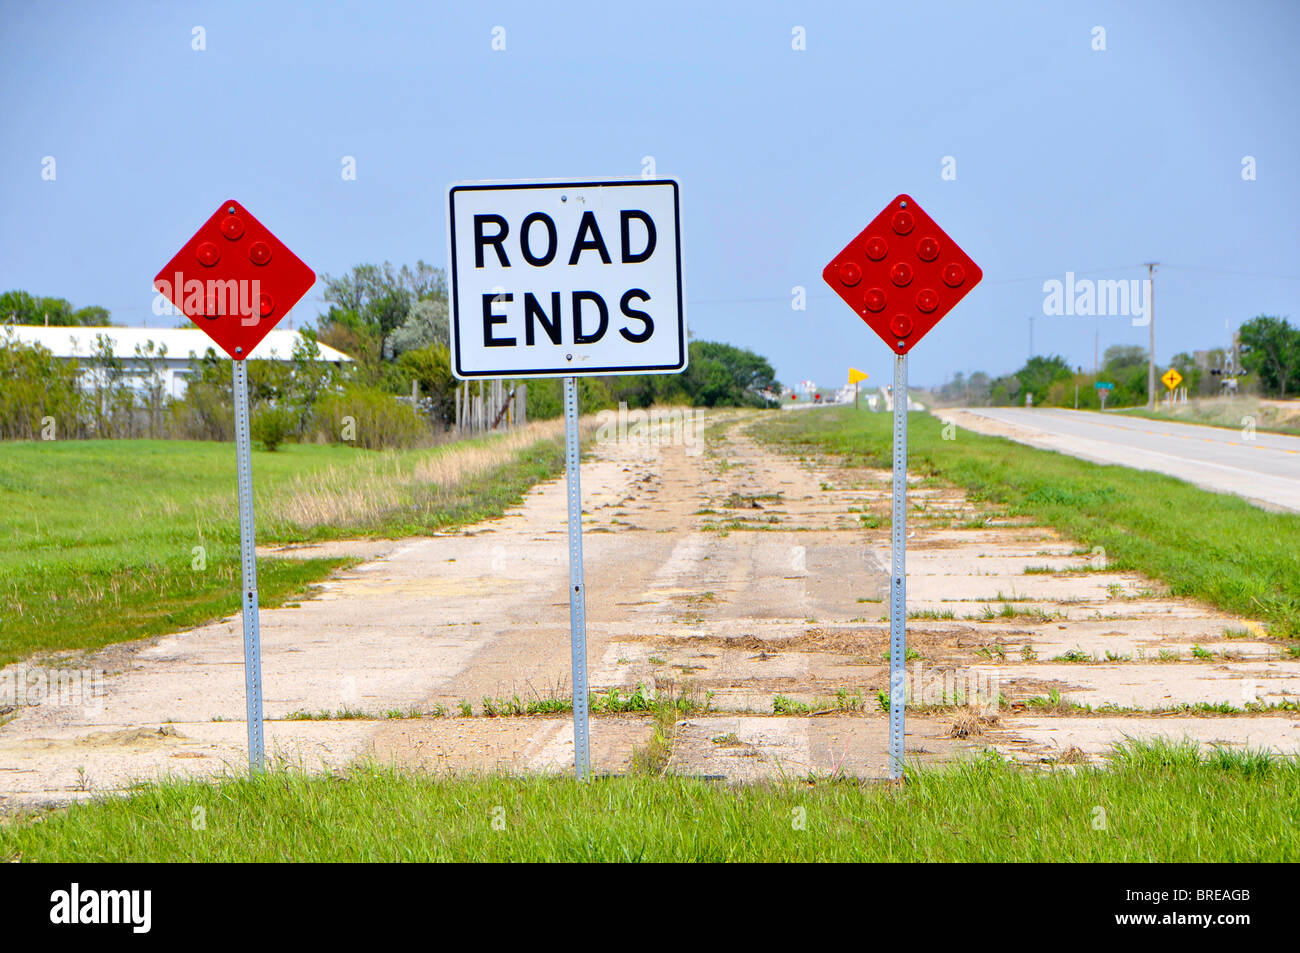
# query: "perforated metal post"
(577, 588)
(898, 574)
(248, 560)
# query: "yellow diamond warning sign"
(1172, 378)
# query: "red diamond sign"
(902, 274)
(234, 279)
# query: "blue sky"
(1067, 158)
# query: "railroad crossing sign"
(1171, 378)
(552, 279)
(236, 280)
(901, 274)
(567, 279)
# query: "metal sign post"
(247, 281)
(898, 574)
(901, 275)
(577, 588)
(608, 253)
(248, 560)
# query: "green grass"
(782, 705)
(109, 541)
(844, 700)
(1154, 802)
(934, 614)
(612, 702)
(908, 653)
(1055, 703)
(1203, 545)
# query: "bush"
(369, 417)
(545, 399)
(206, 412)
(272, 424)
(35, 385)
(431, 367)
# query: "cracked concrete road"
(731, 572)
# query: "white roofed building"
(176, 345)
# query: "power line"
(1226, 271)
(1089, 271)
(1151, 332)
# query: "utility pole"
(1096, 346)
(1031, 337)
(1151, 334)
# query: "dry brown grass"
(1231, 412)
(1072, 755)
(368, 488)
(971, 722)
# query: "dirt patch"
(134, 738)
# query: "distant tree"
(1270, 349)
(1120, 356)
(722, 375)
(1004, 390)
(644, 390)
(973, 391)
(269, 381)
(373, 301)
(430, 367)
(209, 400)
(1040, 373)
(91, 316)
(111, 396)
(19, 307)
(36, 389)
(310, 379)
(954, 390)
(425, 324)
(1191, 371)
(354, 342)
(153, 357)
(1125, 366)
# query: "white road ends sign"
(560, 279)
